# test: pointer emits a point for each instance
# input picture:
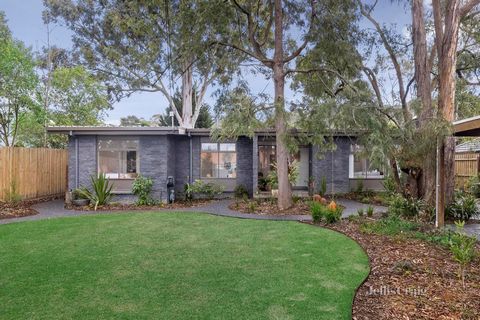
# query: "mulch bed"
(132, 206)
(412, 279)
(269, 207)
(367, 198)
(21, 209)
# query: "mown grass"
(176, 266)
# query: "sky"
(25, 22)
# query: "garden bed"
(21, 209)
(368, 197)
(116, 206)
(268, 206)
(411, 279)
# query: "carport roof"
(469, 127)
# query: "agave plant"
(102, 191)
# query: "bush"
(11, 194)
(323, 187)
(389, 185)
(405, 207)
(210, 189)
(77, 194)
(102, 191)
(252, 206)
(360, 212)
(331, 213)
(369, 211)
(142, 188)
(391, 225)
(473, 186)
(240, 191)
(317, 211)
(463, 207)
(462, 248)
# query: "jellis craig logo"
(387, 290)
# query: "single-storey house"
(123, 153)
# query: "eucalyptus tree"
(150, 46)
(275, 34)
(17, 84)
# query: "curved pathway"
(55, 208)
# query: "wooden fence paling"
(36, 172)
(467, 165)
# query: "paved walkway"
(55, 208)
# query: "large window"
(361, 167)
(218, 161)
(118, 158)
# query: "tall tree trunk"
(284, 187)
(187, 96)
(426, 187)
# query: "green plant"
(296, 199)
(391, 225)
(323, 186)
(240, 191)
(369, 211)
(405, 207)
(210, 189)
(462, 247)
(333, 215)
(77, 194)
(252, 206)
(292, 174)
(102, 191)
(317, 211)
(359, 187)
(11, 194)
(389, 185)
(360, 212)
(463, 207)
(142, 188)
(473, 186)
(188, 192)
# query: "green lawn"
(176, 266)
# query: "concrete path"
(55, 208)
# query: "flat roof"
(469, 127)
(139, 130)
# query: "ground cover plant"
(174, 266)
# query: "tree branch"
(299, 50)
(467, 7)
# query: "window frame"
(354, 148)
(126, 150)
(217, 151)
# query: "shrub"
(331, 213)
(463, 207)
(462, 247)
(11, 194)
(359, 188)
(296, 199)
(210, 189)
(360, 212)
(252, 206)
(240, 191)
(323, 187)
(188, 191)
(369, 211)
(78, 194)
(389, 185)
(317, 211)
(102, 191)
(405, 207)
(391, 225)
(473, 186)
(142, 188)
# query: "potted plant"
(79, 198)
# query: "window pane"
(117, 158)
(227, 147)
(108, 163)
(359, 167)
(227, 167)
(209, 147)
(209, 164)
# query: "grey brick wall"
(87, 160)
(245, 163)
(181, 146)
(333, 166)
(154, 158)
